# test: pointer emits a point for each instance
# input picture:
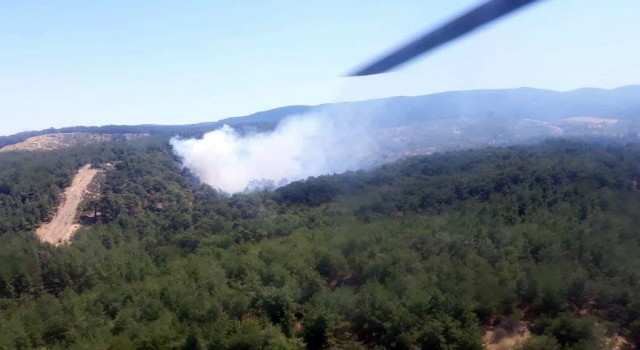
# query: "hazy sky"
(66, 63)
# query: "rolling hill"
(518, 114)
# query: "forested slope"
(422, 253)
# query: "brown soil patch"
(506, 338)
(64, 223)
(63, 140)
(617, 342)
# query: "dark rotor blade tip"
(479, 16)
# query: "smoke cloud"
(325, 142)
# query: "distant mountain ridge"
(493, 105)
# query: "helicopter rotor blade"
(477, 17)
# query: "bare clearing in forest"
(63, 140)
(506, 338)
(64, 223)
(617, 342)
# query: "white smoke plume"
(330, 141)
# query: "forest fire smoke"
(300, 146)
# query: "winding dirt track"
(64, 225)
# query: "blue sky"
(66, 63)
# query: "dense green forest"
(422, 253)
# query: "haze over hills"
(423, 124)
(546, 105)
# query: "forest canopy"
(427, 252)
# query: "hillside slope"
(423, 253)
(496, 108)
(48, 142)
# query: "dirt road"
(64, 225)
